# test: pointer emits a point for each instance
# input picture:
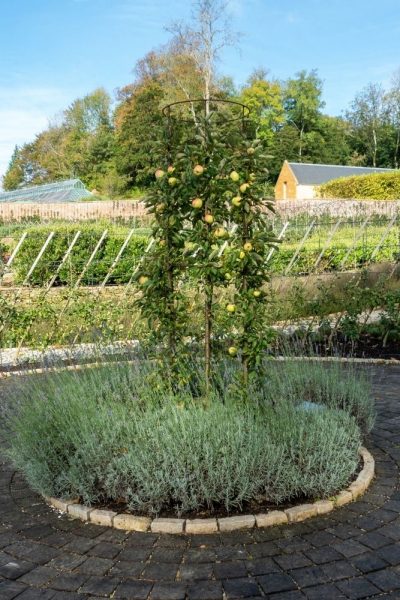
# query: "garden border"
(295, 514)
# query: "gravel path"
(352, 553)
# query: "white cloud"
(24, 112)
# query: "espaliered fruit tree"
(210, 227)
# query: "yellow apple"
(172, 181)
(198, 170)
(232, 350)
(220, 232)
(257, 293)
(236, 201)
(242, 254)
(159, 173)
(209, 219)
(234, 176)
(143, 279)
(244, 187)
(230, 308)
(228, 276)
(197, 203)
(171, 169)
(248, 246)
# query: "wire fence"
(67, 287)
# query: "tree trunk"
(375, 148)
(396, 150)
(301, 144)
(207, 334)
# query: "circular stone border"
(295, 514)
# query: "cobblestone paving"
(352, 553)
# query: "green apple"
(228, 276)
(189, 246)
(234, 176)
(236, 201)
(197, 203)
(257, 293)
(172, 181)
(220, 232)
(232, 350)
(231, 308)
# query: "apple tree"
(211, 221)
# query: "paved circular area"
(352, 553)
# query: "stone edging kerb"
(193, 526)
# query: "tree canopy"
(106, 141)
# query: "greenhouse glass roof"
(61, 191)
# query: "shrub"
(377, 186)
(334, 385)
(86, 243)
(120, 431)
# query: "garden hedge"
(377, 186)
(331, 260)
(70, 271)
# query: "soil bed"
(366, 346)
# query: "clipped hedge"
(377, 186)
(86, 243)
(362, 254)
(331, 259)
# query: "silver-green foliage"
(114, 432)
(336, 385)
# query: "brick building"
(299, 181)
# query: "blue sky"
(53, 51)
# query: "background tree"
(14, 174)
(303, 105)
(392, 102)
(265, 101)
(203, 39)
(137, 119)
(367, 120)
(80, 144)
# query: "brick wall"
(286, 176)
(71, 211)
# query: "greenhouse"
(61, 191)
